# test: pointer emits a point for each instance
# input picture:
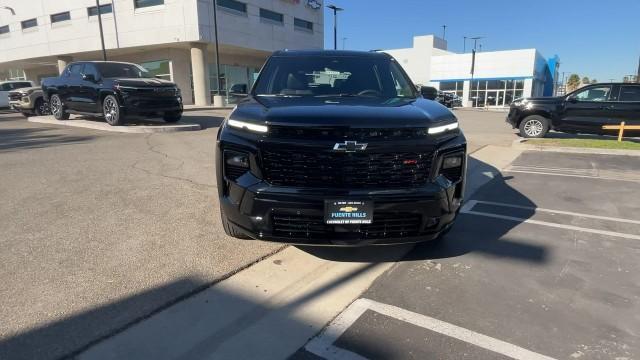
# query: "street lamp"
(444, 32)
(215, 31)
(344, 40)
(104, 51)
(13, 12)
(473, 66)
(335, 25)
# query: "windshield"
(327, 76)
(122, 70)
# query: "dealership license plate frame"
(361, 212)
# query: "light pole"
(335, 24)
(464, 47)
(444, 32)
(104, 51)
(473, 67)
(344, 40)
(13, 12)
(215, 32)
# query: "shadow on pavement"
(470, 233)
(199, 322)
(34, 138)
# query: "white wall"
(416, 60)
(175, 21)
(494, 64)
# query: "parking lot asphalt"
(541, 264)
(101, 229)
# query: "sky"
(594, 38)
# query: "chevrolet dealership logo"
(350, 146)
(348, 209)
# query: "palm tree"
(573, 82)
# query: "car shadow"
(35, 138)
(470, 233)
(198, 321)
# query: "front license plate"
(348, 212)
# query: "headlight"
(520, 102)
(442, 128)
(247, 126)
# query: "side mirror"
(89, 77)
(238, 90)
(429, 92)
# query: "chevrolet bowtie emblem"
(350, 146)
(349, 209)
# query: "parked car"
(113, 90)
(29, 101)
(339, 148)
(7, 86)
(585, 110)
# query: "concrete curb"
(135, 129)
(521, 144)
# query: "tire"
(41, 107)
(57, 108)
(230, 229)
(534, 126)
(172, 116)
(111, 111)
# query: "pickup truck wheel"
(172, 116)
(534, 126)
(57, 109)
(41, 107)
(111, 111)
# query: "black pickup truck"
(585, 110)
(112, 90)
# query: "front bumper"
(258, 210)
(514, 116)
(146, 104)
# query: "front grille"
(15, 96)
(384, 225)
(346, 170)
(341, 133)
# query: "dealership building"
(498, 77)
(174, 39)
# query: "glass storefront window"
(231, 75)
(519, 84)
(159, 68)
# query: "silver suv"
(29, 101)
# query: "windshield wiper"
(337, 95)
(278, 95)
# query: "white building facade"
(174, 39)
(498, 77)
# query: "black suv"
(339, 148)
(113, 90)
(585, 110)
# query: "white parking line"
(466, 209)
(322, 345)
(523, 170)
(537, 209)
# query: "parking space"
(542, 264)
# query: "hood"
(26, 89)
(144, 82)
(334, 111)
